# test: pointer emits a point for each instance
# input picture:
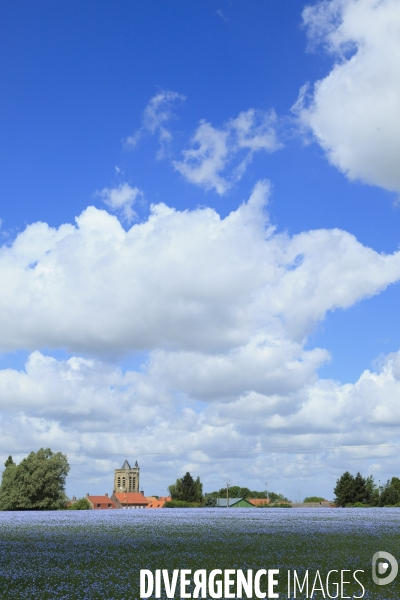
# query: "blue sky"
(194, 105)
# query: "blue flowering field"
(98, 554)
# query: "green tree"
(37, 483)
(9, 462)
(389, 497)
(344, 489)
(187, 489)
(277, 498)
(80, 504)
(210, 501)
(235, 491)
(395, 483)
(372, 491)
(360, 492)
(314, 499)
(7, 488)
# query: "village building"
(259, 501)
(129, 500)
(126, 492)
(158, 502)
(233, 503)
(100, 502)
(126, 479)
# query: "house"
(259, 501)
(129, 500)
(234, 503)
(158, 503)
(100, 502)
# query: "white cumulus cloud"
(220, 157)
(121, 199)
(93, 409)
(354, 112)
(222, 310)
(157, 113)
(182, 280)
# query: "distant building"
(158, 502)
(100, 502)
(126, 479)
(259, 501)
(129, 500)
(233, 503)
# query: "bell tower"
(126, 479)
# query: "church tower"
(126, 479)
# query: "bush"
(81, 504)
(181, 504)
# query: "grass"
(98, 554)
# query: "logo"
(381, 561)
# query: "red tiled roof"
(258, 501)
(131, 498)
(104, 501)
(158, 503)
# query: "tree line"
(357, 490)
(187, 491)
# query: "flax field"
(86, 555)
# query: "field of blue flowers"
(98, 554)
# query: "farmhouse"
(233, 503)
(158, 502)
(259, 501)
(100, 502)
(129, 500)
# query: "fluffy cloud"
(155, 116)
(121, 199)
(94, 409)
(220, 156)
(354, 113)
(221, 309)
(183, 281)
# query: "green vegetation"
(314, 499)
(360, 492)
(37, 483)
(181, 504)
(236, 491)
(80, 504)
(186, 489)
(390, 495)
(350, 490)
